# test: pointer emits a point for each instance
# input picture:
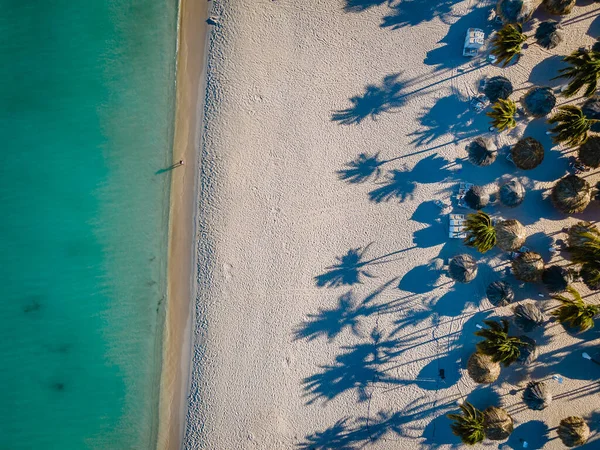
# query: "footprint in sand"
(227, 271)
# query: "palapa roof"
(527, 153)
(510, 235)
(528, 267)
(528, 351)
(528, 317)
(482, 369)
(497, 88)
(573, 431)
(479, 152)
(549, 34)
(556, 278)
(537, 395)
(512, 193)
(476, 198)
(589, 152)
(462, 268)
(538, 101)
(497, 424)
(571, 194)
(559, 7)
(591, 110)
(500, 293)
(516, 11)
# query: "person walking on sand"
(180, 163)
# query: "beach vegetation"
(498, 344)
(582, 73)
(507, 43)
(584, 246)
(571, 125)
(480, 232)
(575, 312)
(468, 425)
(503, 114)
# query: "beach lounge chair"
(473, 42)
(457, 226)
(462, 190)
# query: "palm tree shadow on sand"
(351, 268)
(356, 6)
(375, 101)
(413, 12)
(346, 314)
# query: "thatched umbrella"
(497, 88)
(516, 11)
(537, 395)
(527, 153)
(571, 194)
(538, 101)
(557, 278)
(549, 34)
(591, 110)
(589, 152)
(528, 317)
(528, 266)
(512, 193)
(559, 7)
(480, 153)
(476, 198)
(575, 238)
(463, 268)
(573, 431)
(482, 369)
(497, 424)
(500, 293)
(510, 235)
(528, 351)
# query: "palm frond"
(571, 127)
(468, 425)
(583, 71)
(480, 232)
(498, 344)
(575, 312)
(503, 114)
(507, 43)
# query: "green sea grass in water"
(87, 98)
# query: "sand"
(322, 319)
(176, 346)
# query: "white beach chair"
(456, 228)
(473, 41)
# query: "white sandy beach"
(292, 352)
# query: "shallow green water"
(86, 95)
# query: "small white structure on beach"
(473, 41)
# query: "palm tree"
(468, 426)
(575, 312)
(559, 7)
(584, 70)
(573, 431)
(507, 43)
(503, 114)
(480, 232)
(498, 344)
(571, 194)
(571, 127)
(497, 423)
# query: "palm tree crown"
(584, 246)
(575, 312)
(480, 232)
(584, 71)
(468, 425)
(506, 44)
(498, 344)
(503, 114)
(572, 126)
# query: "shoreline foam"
(176, 340)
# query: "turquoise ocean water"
(86, 112)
